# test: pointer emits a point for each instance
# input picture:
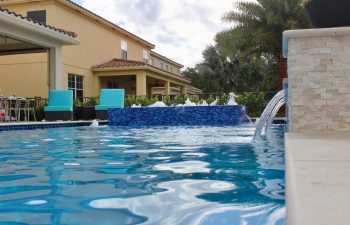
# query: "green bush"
(39, 111)
(194, 99)
(153, 100)
(223, 99)
(92, 101)
(77, 103)
(179, 99)
(255, 103)
(143, 101)
(167, 100)
(130, 100)
(210, 100)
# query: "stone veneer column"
(319, 79)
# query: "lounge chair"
(109, 99)
(60, 105)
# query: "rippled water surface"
(162, 175)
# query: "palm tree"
(258, 29)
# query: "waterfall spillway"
(270, 113)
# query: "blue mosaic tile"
(178, 116)
(43, 126)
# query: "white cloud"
(180, 29)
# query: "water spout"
(270, 113)
(94, 124)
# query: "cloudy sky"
(180, 29)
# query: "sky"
(180, 29)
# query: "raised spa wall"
(319, 79)
(178, 116)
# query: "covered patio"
(139, 78)
(20, 35)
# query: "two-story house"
(108, 56)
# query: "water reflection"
(164, 175)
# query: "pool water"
(159, 175)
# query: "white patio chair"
(22, 109)
(12, 111)
(31, 104)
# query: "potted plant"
(85, 111)
(327, 13)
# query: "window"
(124, 49)
(167, 67)
(151, 62)
(145, 56)
(38, 15)
(161, 65)
(171, 69)
(112, 84)
(75, 83)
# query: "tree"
(258, 30)
(218, 74)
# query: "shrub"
(130, 100)
(39, 111)
(254, 103)
(167, 101)
(210, 100)
(92, 101)
(77, 103)
(179, 99)
(223, 99)
(194, 99)
(143, 101)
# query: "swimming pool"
(158, 175)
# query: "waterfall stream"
(270, 113)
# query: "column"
(55, 68)
(141, 84)
(167, 88)
(183, 90)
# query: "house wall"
(157, 63)
(98, 44)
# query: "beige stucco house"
(106, 57)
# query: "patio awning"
(21, 35)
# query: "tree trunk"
(282, 70)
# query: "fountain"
(270, 113)
(94, 124)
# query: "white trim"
(57, 36)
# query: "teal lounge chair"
(60, 105)
(109, 99)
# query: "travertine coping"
(303, 33)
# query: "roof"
(28, 20)
(166, 59)
(94, 16)
(194, 89)
(120, 63)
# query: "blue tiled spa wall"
(178, 116)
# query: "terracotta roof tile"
(117, 63)
(62, 31)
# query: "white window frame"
(145, 56)
(123, 48)
(75, 89)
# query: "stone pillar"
(55, 68)
(319, 79)
(167, 87)
(141, 84)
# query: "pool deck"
(318, 179)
